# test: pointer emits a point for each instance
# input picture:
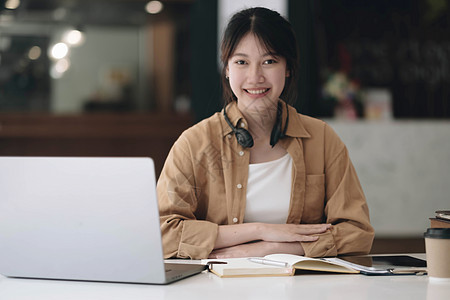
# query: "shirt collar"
(295, 124)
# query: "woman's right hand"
(231, 235)
(290, 232)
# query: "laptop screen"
(80, 218)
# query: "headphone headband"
(245, 139)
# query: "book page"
(233, 267)
(313, 264)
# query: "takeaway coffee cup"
(437, 247)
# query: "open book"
(286, 264)
(273, 265)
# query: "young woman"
(258, 177)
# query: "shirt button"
(241, 153)
(229, 136)
(235, 220)
(243, 125)
(239, 186)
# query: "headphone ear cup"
(244, 138)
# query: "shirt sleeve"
(183, 236)
(345, 208)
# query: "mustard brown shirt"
(203, 185)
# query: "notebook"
(89, 219)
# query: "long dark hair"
(274, 32)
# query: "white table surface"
(209, 286)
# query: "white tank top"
(269, 191)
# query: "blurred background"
(126, 77)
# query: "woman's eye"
(240, 62)
(270, 61)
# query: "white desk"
(207, 285)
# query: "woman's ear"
(226, 73)
(288, 73)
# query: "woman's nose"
(255, 75)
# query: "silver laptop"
(73, 218)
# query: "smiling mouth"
(257, 91)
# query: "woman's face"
(256, 76)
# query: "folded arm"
(259, 239)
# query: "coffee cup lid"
(437, 233)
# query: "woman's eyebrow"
(264, 55)
(271, 54)
(239, 54)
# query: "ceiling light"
(34, 53)
(12, 4)
(59, 14)
(59, 51)
(74, 37)
(62, 65)
(154, 7)
(59, 68)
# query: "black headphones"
(245, 139)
